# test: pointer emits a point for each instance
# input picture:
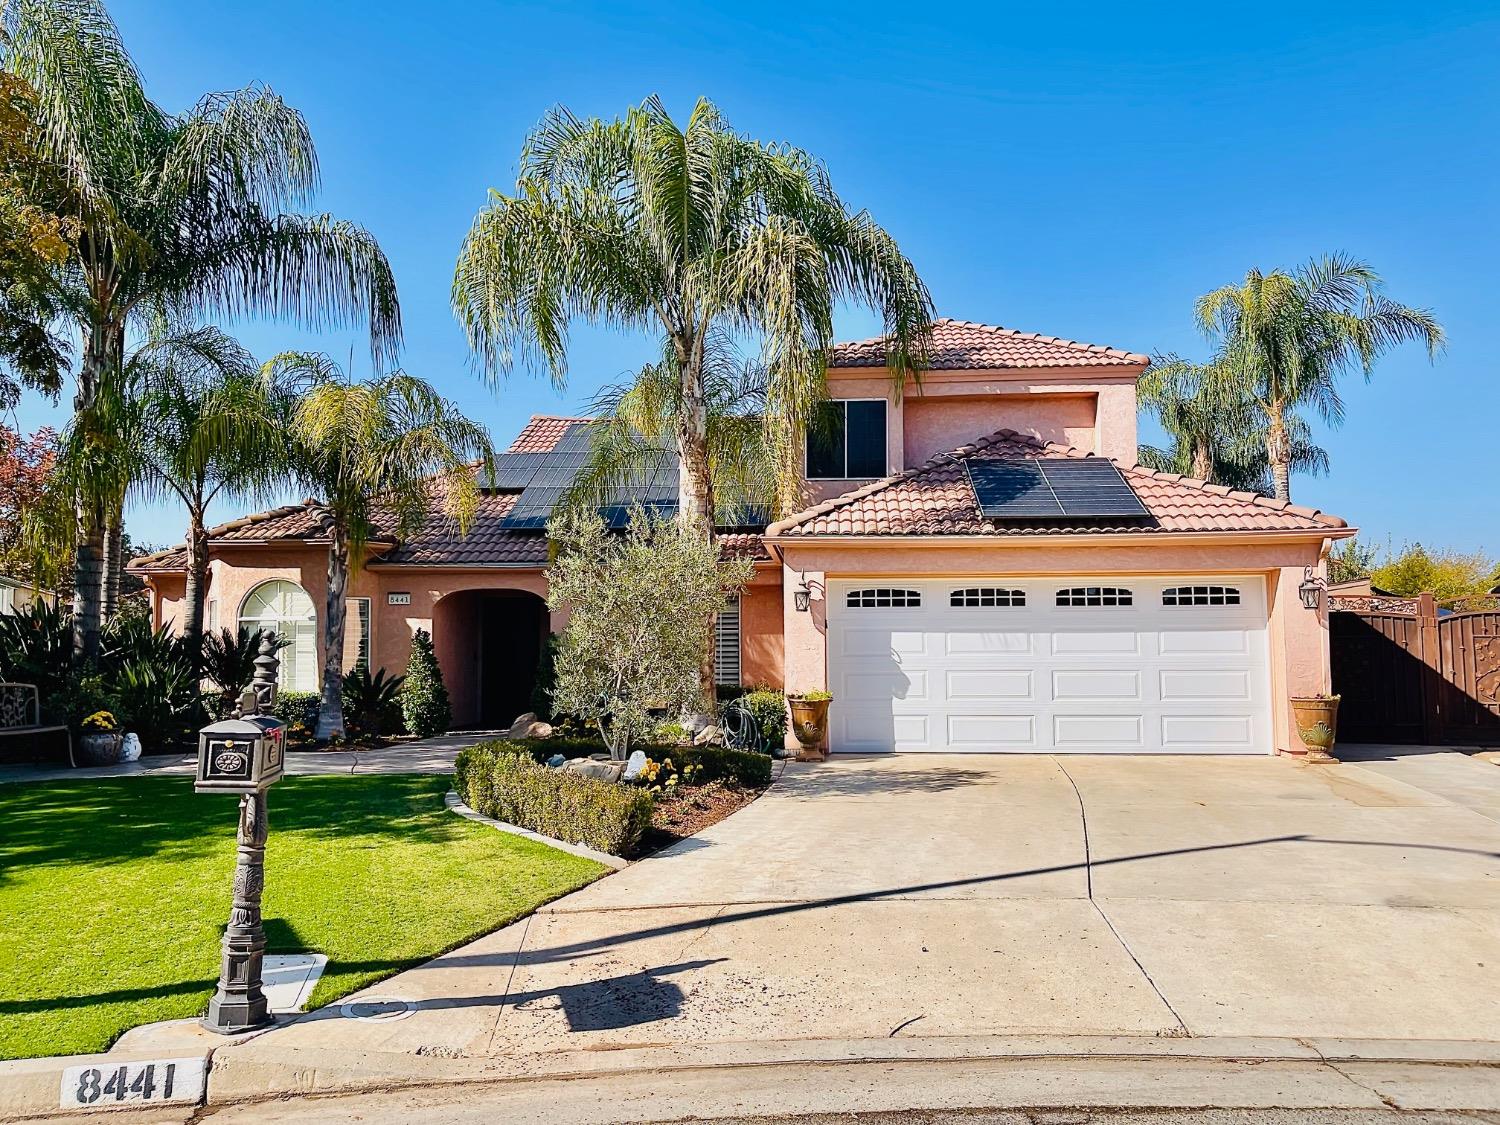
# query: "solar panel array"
(1025, 489)
(543, 479)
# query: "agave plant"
(229, 660)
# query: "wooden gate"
(1416, 677)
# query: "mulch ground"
(689, 811)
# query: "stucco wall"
(936, 424)
(761, 648)
(1297, 637)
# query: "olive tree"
(637, 602)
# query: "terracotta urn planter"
(100, 749)
(810, 721)
(1317, 718)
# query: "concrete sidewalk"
(428, 755)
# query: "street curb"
(302, 1072)
(457, 806)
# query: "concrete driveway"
(987, 896)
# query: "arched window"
(285, 608)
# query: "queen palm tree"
(1289, 337)
(177, 216)
(380, 449)
(691, 232)
(1218, 432)
(694, 233)
(204, 427)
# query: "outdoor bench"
(21, 714)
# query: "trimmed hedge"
(495, 779)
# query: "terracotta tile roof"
(937, 499)
(542, 433)
(743, 544)
(488, 542)
(963, 345)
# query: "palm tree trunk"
(331, 709)
(113, 565)
(695, 497)
(1279, 453)
(1203, 462)
(100, 358)
(196, 588)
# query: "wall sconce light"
(802, 595)
(1311, 590)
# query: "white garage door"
(1075, 665)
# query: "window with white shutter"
(727, 645)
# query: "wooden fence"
(1408, 674)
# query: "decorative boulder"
(695, 723)
(600, 771)
(634, 765)
(528, 726)
(557, 761)
(521, 723)
(709, 736)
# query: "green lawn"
(113, 894)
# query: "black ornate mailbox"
(245, 755)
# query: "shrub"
(424, 698)
(229, 661)
(372, 704)
(493, 779)
(719, 763)
(768, 708)
(298, 710)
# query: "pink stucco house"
(984, 568)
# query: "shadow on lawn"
(125, 820)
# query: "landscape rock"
(600, 771)
(709, 736)
(557, 761)
(634, 765)
(521, 723)
(695, 723)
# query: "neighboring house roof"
(542, 433)
(963, 345)
(938, 499)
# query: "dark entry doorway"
(512, 625)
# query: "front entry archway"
(489, 643)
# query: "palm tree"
(632, 440)
(205, 426)
(693, 232)
(1290, 336)
(175, 215)
(381, 448)
(1218, 433)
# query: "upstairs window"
(848, 441)
(883, 599)
(1094, 595)
(984, 596)
(1200, 595)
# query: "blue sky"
(1083, 170)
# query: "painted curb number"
(161, 1080)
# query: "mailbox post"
(245, 755)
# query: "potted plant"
(810, 720)
(1317, 719)
(101, 741)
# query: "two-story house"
(986, 568)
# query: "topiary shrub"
(299, 711)
(424, 698)
(503, 781)
(719, 763)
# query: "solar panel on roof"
(1048, 489)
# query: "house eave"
(1113, 538)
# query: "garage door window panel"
(985, 597)
(1094, 596)
(1200, 595)
(884, 598)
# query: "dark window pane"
(825, 443)
(866, 439)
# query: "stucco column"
(805, 655)
(1301, 635)
(1115, 423)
